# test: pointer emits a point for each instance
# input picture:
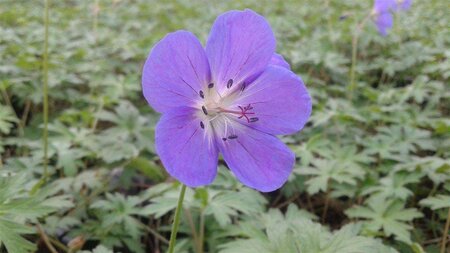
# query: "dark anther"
(243, 86)
(210, 85)
(224, 139)
(230, 83)
(232, 137)
(254, 119)
(202, 125)
(201, 94)
(204, 110)
(343, 17)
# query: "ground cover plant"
(372, 169)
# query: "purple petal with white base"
(185, 151)
(175, 72)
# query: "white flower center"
(218, 113)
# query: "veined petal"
(257, 159)
(184, 149)
(175, 71)
(278, 60)
(279, 100)
(240, 45)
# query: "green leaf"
(98, 249)
(147, 167)
(387, 215)
(7, 119)
(282, 234)
(11, 236)
(437, 202)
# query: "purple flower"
(382, 15)
(231, 97)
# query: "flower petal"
(257, 159)
(184, 149)
(381, 6)
(240, 45)
(384, 22)
(175, 71)
(280, 102)
(278, 60)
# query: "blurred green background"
(373, 172)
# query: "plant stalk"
(202, 232)
(445, 235)
(352, 84)
(176, 220)
(45, 90)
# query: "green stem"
(444, 236)
(202, 232)
(176, 220)
(45, 90)
(193, 229)
(352, 84)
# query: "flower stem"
(45, 90)
(444, 236)
(201, 240)
(352, 83)
(176, 220)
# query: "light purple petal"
(183, 148)
(280, 102)
(384, 22)
(257, 159)
(381, 6)
(175, 71)
(240, 45)
(278, 60)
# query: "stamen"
(202, 125)
(204, 110)
(243, 86)
(224, 139)
(254, 119)
(230, 83)
(210, 85)
(231, 137)
(241, 114)
(201, 94)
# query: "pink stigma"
(243, 113)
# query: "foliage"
(19, 206)
(388, 215)
(295, 232)
(372, 174)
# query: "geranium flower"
(231, 97)
(382, 15)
